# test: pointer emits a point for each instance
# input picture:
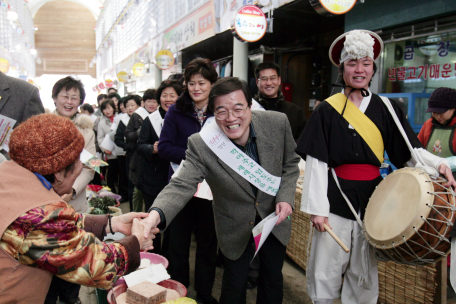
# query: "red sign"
(427, 71)
(101, 86)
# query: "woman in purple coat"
(183, 119)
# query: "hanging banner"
(194, 28)
(250, 24)
(164, 59)
(109, 83)
(101, 86)
(139, 69)
(336, 7)
(122, 76)
(4, 65)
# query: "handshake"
(137, 224)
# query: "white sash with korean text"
(237, 160)
(156, 121)
(142, 112)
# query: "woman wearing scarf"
(183, 119)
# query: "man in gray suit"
(19, 99)
(266, 138)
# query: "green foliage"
(101, 204)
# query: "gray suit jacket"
(235, 205)
(19, 99)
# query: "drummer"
(350, 132)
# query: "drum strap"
(365, 279)
(360, 122)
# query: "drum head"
(397, 207)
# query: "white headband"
(357, 45)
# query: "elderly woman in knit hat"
(349, 132)
(68, 94)
(437, 133)
(41, 234)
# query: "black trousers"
(113, 174)
(123, 177)
(196, 216)
(270, 279)
(61, 289)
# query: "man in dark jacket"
(268, 80)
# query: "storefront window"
(421, 105)
(420, 65)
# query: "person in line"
(116, 98)
(183, 119)
(55, 239)
(271, 98)
(154, 176)
(122, 106)
(332, 139)
(112, 90)
(108, 108)
(241, 198)
(437, 133)
(100, 99)
(120, 152)
(131, 135)
(132, 103)
(88, 110)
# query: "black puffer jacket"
(154, 175)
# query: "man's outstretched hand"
(150, 222)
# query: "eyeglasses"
(66, 98)
(266, 79)
(223, 114)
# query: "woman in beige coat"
(68, 94)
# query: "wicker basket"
(400, 283)
(297, 248)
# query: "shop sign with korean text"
(227, 10)
(109, 83)
(194, 28)
(420, 64)
(164, 59)
(250, 24)
(122, 76)
(139, 69)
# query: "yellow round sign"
(4, 65)
(338, 7)
(139, 69)
(122, 76)
(164, 59)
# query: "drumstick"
(331, 233)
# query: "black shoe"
(123, 200)
(252, 282)
(74, 301)
(205, 299)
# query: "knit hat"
(442, 100)
(46, 143)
